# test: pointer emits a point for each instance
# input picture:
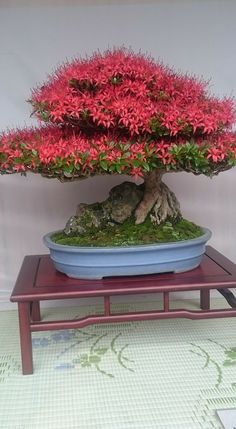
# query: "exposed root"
(166, 206)
(158, 200)
(151, 192)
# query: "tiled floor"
(170, 374)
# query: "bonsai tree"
(123, 113)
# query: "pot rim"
(134, 248)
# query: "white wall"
(195, 36)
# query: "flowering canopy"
(121, 112)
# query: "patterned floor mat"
(170, 374)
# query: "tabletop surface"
(38, 279)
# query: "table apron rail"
(119, 318)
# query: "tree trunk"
(158, 200)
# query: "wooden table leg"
(25, 337)
(107, 310)
(35, 311)
(205, 299)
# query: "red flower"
(121, 112)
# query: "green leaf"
(68, 168)
(116, 79)
(18, 160)
(136, 163)
(126, 154)
(125, 147)
(104, 165)
(112, 167)
(146, 166)
(44, 115)
(26, 160)
(118, 169)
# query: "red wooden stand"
(38, 280)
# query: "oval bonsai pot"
(98, 262)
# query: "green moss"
(129, 234)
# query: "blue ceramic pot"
(98, 262)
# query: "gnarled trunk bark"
(158, 200)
